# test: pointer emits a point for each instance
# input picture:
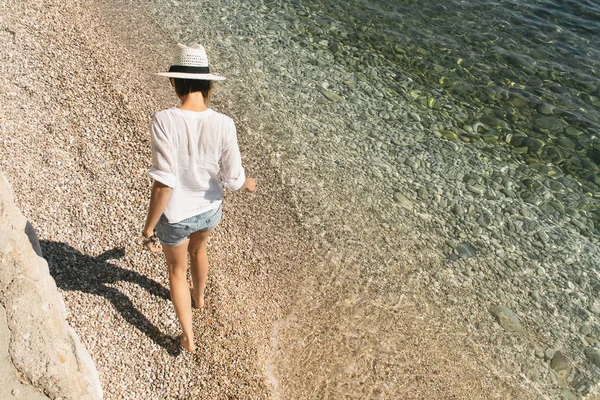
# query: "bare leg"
(180, 295)
(199, 266)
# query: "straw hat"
(190, 62)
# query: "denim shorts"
(174, 234)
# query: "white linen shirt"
(187, 147)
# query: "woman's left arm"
(158, 202)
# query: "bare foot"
(197, 302)
(185, 343)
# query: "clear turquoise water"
(524, 73)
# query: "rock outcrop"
(43, 348)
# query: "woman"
(188, 144)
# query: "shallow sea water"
(497, 72)
(467, 121)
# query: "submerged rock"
(552, 124)
(568, 395)
(449, 135)
(566, 143)
(560, 364)
(546, 109)
(507, 319)
(518, 101)
(331, 96)
(532, 145)
(465, 250)
(403, 200)
(593, 354)
(551, 154)
(476, 189)
(494, 122)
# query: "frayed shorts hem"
(172, 234)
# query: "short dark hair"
(186, 86)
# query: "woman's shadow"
(75, 271)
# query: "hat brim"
(185, 75)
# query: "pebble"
(591, 341)
(458, 210)
(449, 135)
(415, 116)
(403, 200)
(539, 353)
(568, 395)
(546, 109)
(593, 354)
(476, 189)
(331, 96)
(585, 329)
(561, 365)
(465, 250)
(507, 319)
(550, 123)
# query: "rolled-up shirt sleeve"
(232, 172)
(163, 166)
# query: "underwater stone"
(458, 210)
(560, 364)
(403, 200)
(518, 101)
(494, 122)
(568, 395)
(532, 145)
(550, 123)
(530, 198)
(551, 154)
(585, 329)
(507, 319)
(573, 131)
(476, 189)
(449, 135)
(465, 250)
(545, 109)
(566, 143)
(594, 154)
(489, 139)
(415, 116)
(331, 96)
(550, 171)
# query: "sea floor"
(346, 275)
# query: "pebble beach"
(385, 253)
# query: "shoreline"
(269, 256)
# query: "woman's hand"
(249, 185)
(151, 242)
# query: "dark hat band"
(191, 70)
